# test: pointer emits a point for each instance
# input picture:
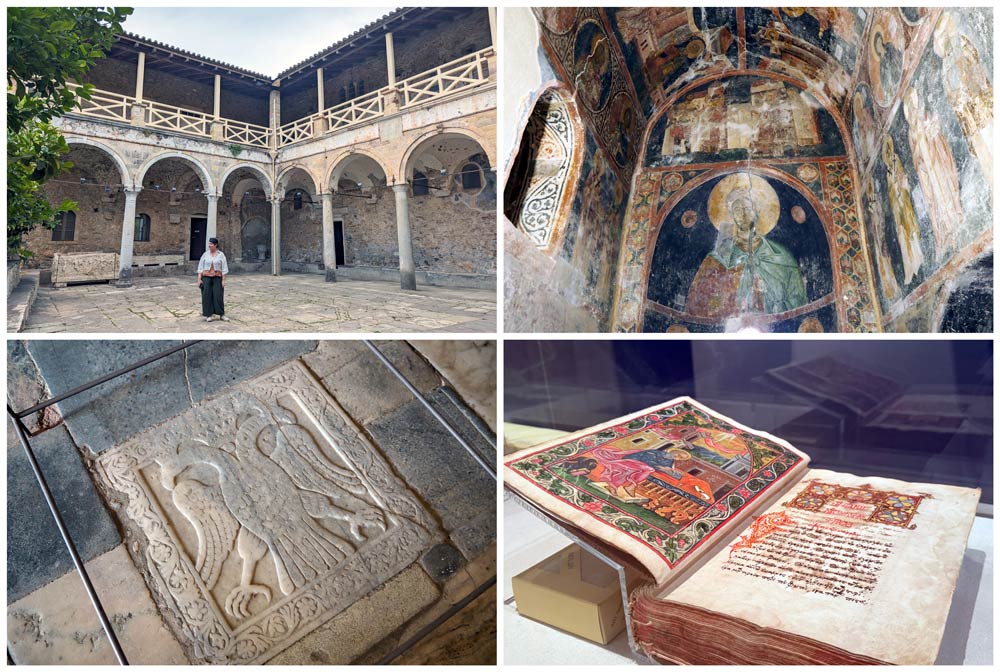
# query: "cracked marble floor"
(263, 303)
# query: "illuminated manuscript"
(754, 557)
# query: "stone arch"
(261, 176)
(199, 168)
(279, 183)
(112, 154)
(405, 170)
(553, 120)
(338, 165)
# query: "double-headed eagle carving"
(269, 490)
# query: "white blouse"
(216, 263)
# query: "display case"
(912, 410)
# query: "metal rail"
(22, 436)
(489, 468)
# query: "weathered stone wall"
(450, 234)
(302, 231)
(99, 215)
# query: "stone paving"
(257, 303)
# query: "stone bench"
(158, 260)
(84, 267)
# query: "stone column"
(213, 218)
(493, 26)
(390, 59)
(128, 238)
(329, 249)
(275, 235)
(407, 275)
(140, 74)
(218, 97)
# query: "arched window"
(297, 201)
(419, 184)
(142, 226)
(538, 186)
(65, 229)
(472, 177)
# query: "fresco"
(862, 125)
(737, 245)
(819, 46)
(593, 230)
(886, 43)
(739, 118)
(589, 61)
(665, 47)
(927, 197)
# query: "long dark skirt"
(212, 297)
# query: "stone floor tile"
(56, 624)
(434, 464)
(365, 623)
(362, 384)
(109, 413)
(213, 367)
(304, 302)
(36, 553)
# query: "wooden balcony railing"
(445, 80)
(355, 111)
(458, 75)
(104, 104)
(178, 119)
(295, 131)
(242, 133)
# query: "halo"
(764, 197)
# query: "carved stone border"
(179, 591)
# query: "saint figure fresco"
(967, 85)
(883, 262)
(935, 167)
(745, 272)
(593, 63)
(885, 57)
(907, 227)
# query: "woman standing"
(212, 271)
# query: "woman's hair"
(214, 241)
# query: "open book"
(751, 556)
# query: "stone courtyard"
(168, 478)
(263, 304)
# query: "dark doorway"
(199, 229)
(338, 241)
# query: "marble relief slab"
(260, 514)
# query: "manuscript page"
(864, 564)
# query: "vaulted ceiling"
(666, 48)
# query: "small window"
(142, 228)
(471, 177)
(297, 201)
(695, 472)
(419, 184)
(65, 226)
(639, 440)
